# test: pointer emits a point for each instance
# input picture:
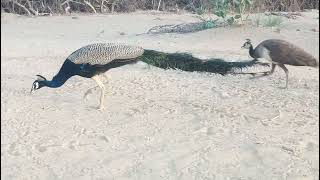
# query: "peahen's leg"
(287, 73)
(273, 67)
(267, 73)
(96, 78)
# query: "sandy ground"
(158, 124)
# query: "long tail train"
(187, 62)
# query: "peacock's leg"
(96, 78)
(89, 91)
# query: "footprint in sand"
(42, 147)
(13, 150)
(104, 138)
(72, 144)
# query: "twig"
(102, 6)
(42, 5)
(23, 7)
(12, 9)
(50, 9)
(153, 6)
(31, 8)
(159, 5)
(289, 15)
(44, 14)
(77, 2)
(64, 2)
(67, 9)
(87, 3)
(112, 6)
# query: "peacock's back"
(101, 53)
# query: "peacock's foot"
(101, 108)
(89, 91)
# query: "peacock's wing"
(102, 54)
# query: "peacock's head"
(247, 44)
(39, 83)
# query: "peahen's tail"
(187, 62)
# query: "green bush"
(222, 8)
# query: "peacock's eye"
(35, 85)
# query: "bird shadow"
(284, 88)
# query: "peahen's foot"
(262, 74)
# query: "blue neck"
(251, 52)
(67, 70)
(57, 81)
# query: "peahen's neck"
(251, 52)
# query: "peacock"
(93, 60)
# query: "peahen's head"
(247, 44)
(39, 83)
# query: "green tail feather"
(187, 62)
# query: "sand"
(158, 124)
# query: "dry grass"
(267, 21)
(286, 5)
(45, 7)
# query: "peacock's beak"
(31, 90)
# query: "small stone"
(210, 131)
(310, 146)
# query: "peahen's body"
(279, 53)
(92, 60)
